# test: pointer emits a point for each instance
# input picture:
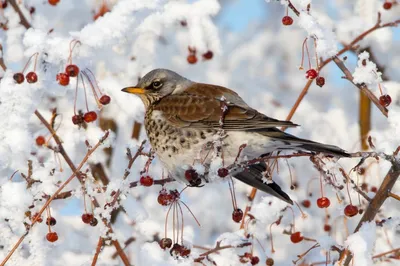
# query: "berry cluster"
(89, 218)
(31, 77)
(248, 257)
(192, 58)
(167, 198)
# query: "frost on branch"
(366, 71)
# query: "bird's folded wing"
(200, 107)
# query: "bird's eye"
(156, 84)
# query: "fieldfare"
(183, 120)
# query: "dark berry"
(51, 221)
(192, 59)
(87, 218)
(374, 189)
(146, 181)
(40, 141)
(255, 260)
(165, 243)
(323, 202)
(105, 99)
(350, 210)
(311, 73)
(90, 116)
(387, 5)
(327, 228)
(77, 119)
(72, 70)
(19, 78)
(52, 237)
(385, 100)
(320, 81)
(296, 237)
(306, 203)
(223, 172)
(208, 55)
(237, 215)
(191, 175)
(287, 20)
(31, 77)
(63, 79)
(94, 221)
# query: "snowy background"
(253, 54)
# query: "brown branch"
(217, 248)
(100, 244)
(397, 197)
(2, 64)
(291, 6)
(161, 182)
(22, 18)
(386, 253)
(363, 88)
(381, 195)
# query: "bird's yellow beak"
(134, 90)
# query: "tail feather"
(253, 177)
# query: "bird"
(184, 118)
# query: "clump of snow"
(366, 71)
(361, 244)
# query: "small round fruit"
(385, 100)
(269, 262)
(387, 5)
(63, 79)
(72, 70)
(52, 237)
(51, 221)
(105, 99)
(255, 260)
(323, 202)
(94, 222)
(90, 116)
(164, 198)
(350, 210)
(296, 237)
(165, 243)
(374, 189)
(146, 181)
(320, 81)
(287, 20)
(191, 175)
(192, 59)
(208, 55)
(87, 218)
(327, 228)
(237, 215)
(31, 77)
(223, 172)
(19, 78)
(53, 2)
(306, 203)
(77, 119)
(311, 73)
(40, 141)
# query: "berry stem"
(84, 88)
(29, 60)
(302, 53)
(321, 187)
(182, 224)
(74, 42)
(316, 54)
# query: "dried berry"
(77, 119)
(385, 100)
(320, 81)
(223, 172)
(94, 221)
(165, 243)
(19, 78)
(105, 99)
(306, 203)
(51, 221)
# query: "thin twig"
(100, 244)
(22, 18)
(386, 253)
(2, 64)
(218, 247)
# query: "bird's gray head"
(157, 84)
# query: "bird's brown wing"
(200, 107)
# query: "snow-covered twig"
(22, 18)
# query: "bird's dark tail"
(252, 176)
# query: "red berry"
(51, 221)
(387, 5)
(87, 218)
(4, 4)
(223, 172)
(165, 243)
(77, 119)
(327, 228)
(63, 79)
(52, 237)
(164, 198)
(31, 77)
(53, 2)
(146, 181)
(306, 203)
(191, 175)
(90, 116)
(237, 215)
(320, 81)
(287, 20)
(269, 262)
(40, 141)
(311, 73)
(72, 70)
(255, 260)
(39, 220)
(323, 202)
(208, 55)
(192, 59)
(374, 189)
(184, 251)
(94, 222)
(385, 100)
(19, 78)
(296, 237)
(105, 99)
(350, 210)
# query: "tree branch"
(22, 18)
